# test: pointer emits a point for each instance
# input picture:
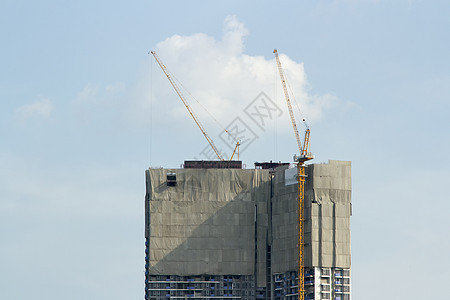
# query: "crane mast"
(301, 175)
(191, 112)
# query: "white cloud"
(88, 94)
(94, 101)
(114, 89)
(233, 35)
(41, 109)
(224, 79)
(94, 94)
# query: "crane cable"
(204, 108)
(295, 100)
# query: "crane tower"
(304, 156)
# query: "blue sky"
(84, 110)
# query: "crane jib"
(186, 104)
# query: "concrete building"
(216, 231)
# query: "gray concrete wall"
(206, 224)
(327, 214)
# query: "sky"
(85, 109)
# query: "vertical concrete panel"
(327, 213)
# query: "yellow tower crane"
(191, 112)
(304, 156)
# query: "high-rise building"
(216, 231)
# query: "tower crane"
(191, 112)
(304, 156)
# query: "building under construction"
(216, 231)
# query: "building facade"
(231, 233)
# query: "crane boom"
(191, 112)
(288, 101)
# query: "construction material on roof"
(269, 165)
(213, 164)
